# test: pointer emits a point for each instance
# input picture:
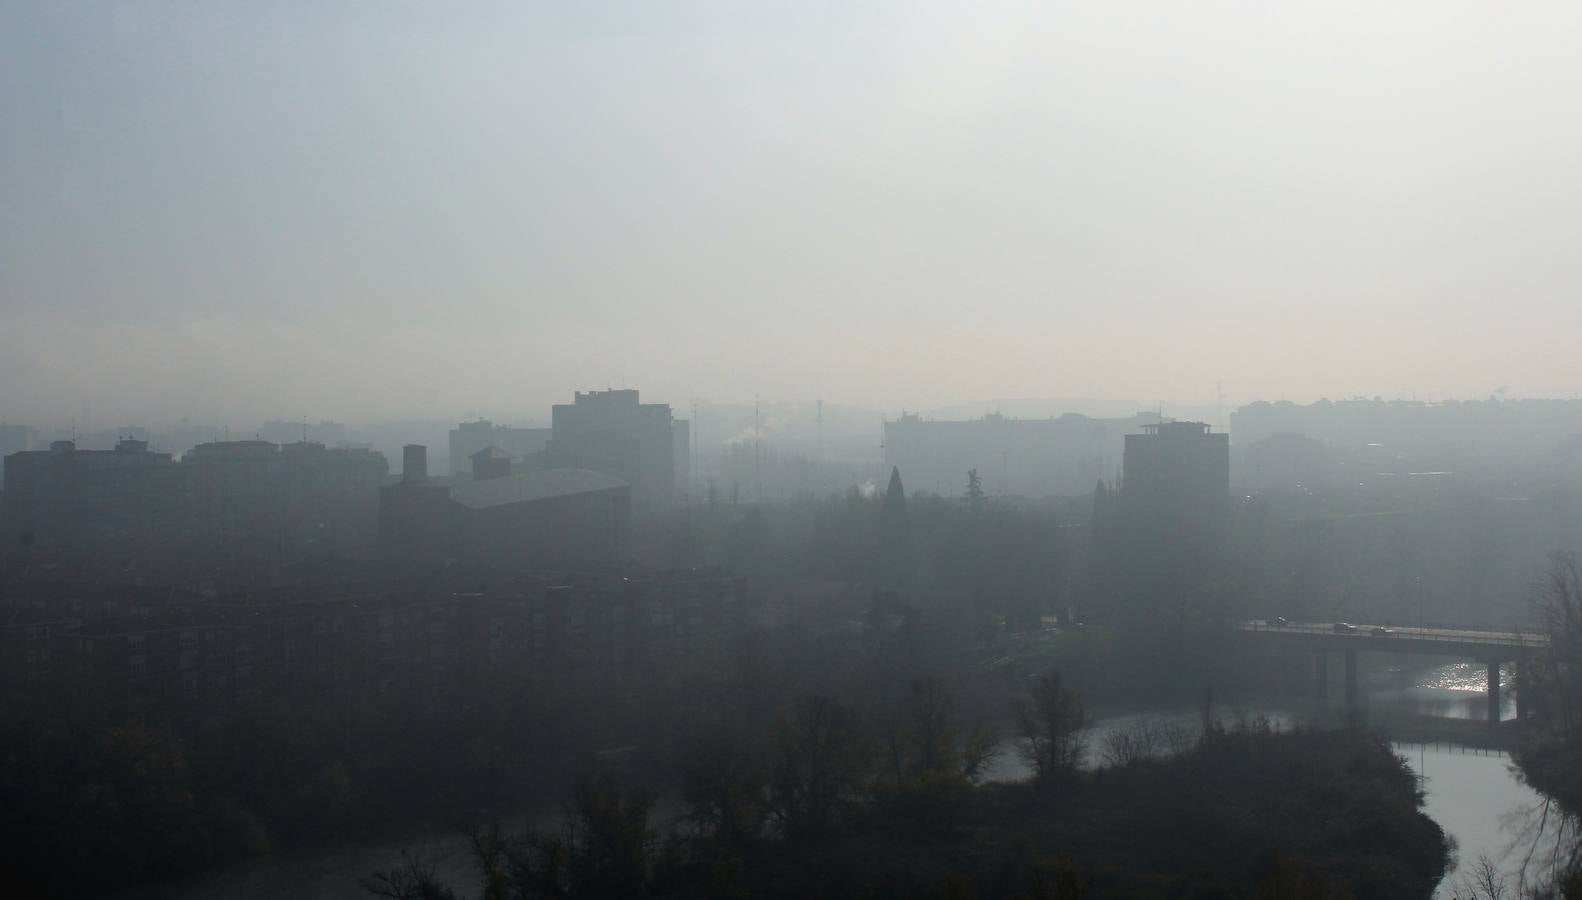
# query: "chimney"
(414, 463)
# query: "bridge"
(1321, 639)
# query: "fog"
(547, 451)
(370, 212)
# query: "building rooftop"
(127, 453)
(1174, 427)
(526, 487)
(232, 449)
(431, 483)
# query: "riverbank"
(1240, 813)
(1469, 798)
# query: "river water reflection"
(1472, 792)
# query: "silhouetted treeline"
(831, 805)
(999, 555)
(101, 797)
(1550, 753)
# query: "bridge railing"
(1407, 633)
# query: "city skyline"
(703, 448)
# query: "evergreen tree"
(974, 491)
(897, 562)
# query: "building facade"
(13, 439)
(615, 433)
(275, 500)
(1419, 436)
(64, 495)
(1027, 457)
(538, 517)
(1175, 494)
(522, 445)
(403, 641)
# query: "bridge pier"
(1485, 647)
(1494, 693)
(1351, 677)
(1521, 696)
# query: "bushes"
(1251, 812)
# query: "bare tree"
(602, 849)
(925, 738)
(1550, 681)
(414, 879)
(1485, 881)
(1551, 865)
(1554, 679)
(724, 789)
(934, 731)
(1144, 740)
(1050, 721)
(1178, 738)
(819, 766)
(491, 850)
(979, 751)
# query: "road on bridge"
(1405, 634)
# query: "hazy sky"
(376, 209)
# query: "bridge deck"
(1486, 645)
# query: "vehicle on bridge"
(1382, 631)
(1345, 628)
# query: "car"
(1281, 621)
(1381, 631)
(1345, 628)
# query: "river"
(1471, 789)
(1471, 792)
